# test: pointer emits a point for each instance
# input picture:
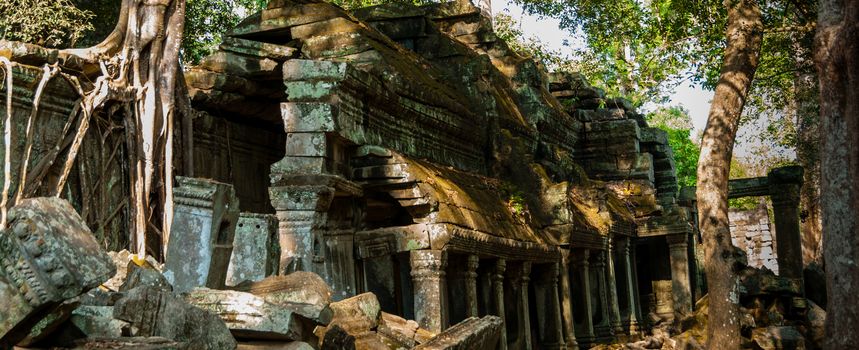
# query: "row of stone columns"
(596, 272)
(432, 307)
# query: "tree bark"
(143, 54)
(744, 35)
(807, 115)
(837, 60)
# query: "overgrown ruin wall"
(752, 233)
(408, 152)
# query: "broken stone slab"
(98, 322)
(144, 276)
(359, 312)
(256, 250)
(258, 48)
(201, 238)
(252, 317)
(471, 334)
(47, 255)
(303, 292)
(397, 331)
(241, 65)
(358, 316)
(155, 312)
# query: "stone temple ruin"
(346, 173)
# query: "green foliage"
(49, 23)
(509, 30)
(356, 4)
(677, 123)
(641, 49)
(673, 117)
(206, 20)
(515, 198)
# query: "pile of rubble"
(58, 289)
(774, 316)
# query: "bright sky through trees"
(694, 99)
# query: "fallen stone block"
(305, 293)
(47, 255)
(154, 312)
(397, 331)
(256, 250)
(471, 334)
(201, 238)
(358, 316)
(252, 317)
(97, 322)
(359, 312)
(141, 276)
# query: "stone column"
(680, 288)
(471, 285)
(299, 212)
(204, 224)
(582, 266)
(784, 191)
(520, 277)
(428, 280)
(550, 327)
(611, 276)
(630, 281)
(636, 293)
(567, 303)
(598, 267)
(498, 294)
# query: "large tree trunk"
(744, 36)
(142, 56)
(837, 59)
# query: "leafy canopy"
(49, 23)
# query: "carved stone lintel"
(47, 255)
